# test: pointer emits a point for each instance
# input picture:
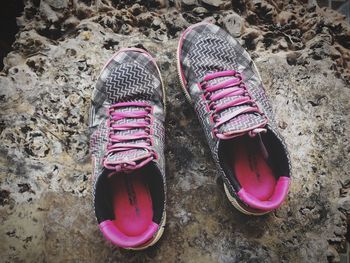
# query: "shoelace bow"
(123, 143)
(232, 87)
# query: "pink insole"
(132, 204)
(252, 170)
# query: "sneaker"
(127, 148)
(221, 81)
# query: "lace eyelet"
(155, 155)
(214, 132)
(215, 117)
(149, 141)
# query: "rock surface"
(233, 23)
(46, 214)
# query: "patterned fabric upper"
(223, 82)
(127, 114)
(208, 49)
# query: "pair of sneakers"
(127, 117)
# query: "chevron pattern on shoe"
(258, 93)
(128, 82)
(98, 140)
(242, 122)
(211, 54)
(204, 116)
(98, 143)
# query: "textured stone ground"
(46, 212)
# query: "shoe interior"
(131, 203)
(256, 165)
(252, 169)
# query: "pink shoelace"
(233, 87)
(122, 144)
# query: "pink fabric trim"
(119, 239)
(279, 195)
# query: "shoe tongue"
(125, 160)
(240, 124)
